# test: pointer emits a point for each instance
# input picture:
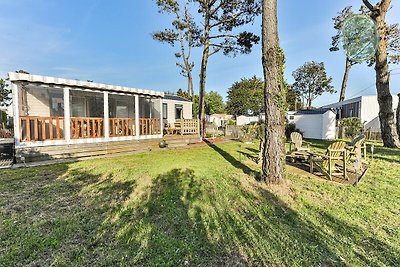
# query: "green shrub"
(290, 128)
(352, 126)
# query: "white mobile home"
(55, 117)
(176, 108)
(315, 124)
(364, 107)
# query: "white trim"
(67, 115)
(15, 96)
(137, 130)
(161, 116)
(76, 83)
(86, 141)
(106, 116)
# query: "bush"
(352, 126)
(290, 128)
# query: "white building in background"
(315, 124)
(175, 108)
(220, 119)
(243, 120)
(364, 107)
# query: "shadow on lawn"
(232, 160)
(186, 220)
(391, 155)
(70, 216)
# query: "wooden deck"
(101, 149)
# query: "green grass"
(196, 207)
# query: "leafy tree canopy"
(5, 93)
(214, 103)
(247, 94)
(311, 81)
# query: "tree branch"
(224, 36)
(369, 5)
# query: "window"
(291, 117)
(165, 110)
(86, 104)
(78, 107)
(178, 111)
(41, 101)
(121, 106)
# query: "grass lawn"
(196, 207)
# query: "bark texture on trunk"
(345, 79)
(273, 151)
(386, 114)
(203, 74)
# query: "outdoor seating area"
(346, 162)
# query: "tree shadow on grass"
(390, 155)
(73, 216)
(233, 161)
(168, 228)
(369, 250)
(55, 215)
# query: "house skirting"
(83, 150)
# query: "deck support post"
(161, 118)
(67, 115)
(17, 123)
(137, 124)
(106, 117)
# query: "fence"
(370, 133)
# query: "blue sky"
(110, 42)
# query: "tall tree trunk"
(274, 151)
(345, 78)
(386, 114)
(203, 74)
(398, 116)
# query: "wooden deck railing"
(41, 128)
(52, 128)
(87, 128)
(149, 126)
(122, 127)
(189, 126)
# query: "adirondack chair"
(296, 143)
(333, 162)
(357, 157)
(357, 145)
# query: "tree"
(184, 32)
(5, 98)
(219, 19)
(386, 114)
(338, 23)
(393, 44)
(311, 81)
(292, 98)
(214, 103)
(247, 94)
(274, 96)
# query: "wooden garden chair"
(296, 143)
(333, 162)
(357, 145)
(356, 158)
